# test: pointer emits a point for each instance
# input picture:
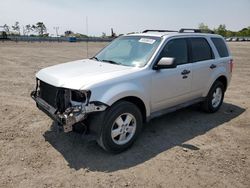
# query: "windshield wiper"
(110, 61)
(95, 58)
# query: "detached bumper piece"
(71, 115)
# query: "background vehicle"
(134, 79)
(235, 39)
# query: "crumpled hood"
(81, 73)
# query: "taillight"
(231, 65)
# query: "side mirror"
(165, 63)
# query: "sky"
(125, 16)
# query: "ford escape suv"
(135, 78)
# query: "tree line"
(223, 31)
(39, 28)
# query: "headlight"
(80, 96)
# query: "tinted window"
(200, 49)
(176, 48)
(221, 47)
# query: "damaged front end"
(65, 106)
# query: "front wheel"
(214, 98)
(121, 126)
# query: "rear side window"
(178, 49)
(201, 50)
(221, 47)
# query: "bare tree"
(16, 27)
(28, 29)
(40, 28)
(6, 28)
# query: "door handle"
(185, 72)
(213, 66)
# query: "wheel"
(121, 126)
(214, 98)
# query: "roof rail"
(182, 30)
(156, 30)
(195, 31)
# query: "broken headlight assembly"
(79, 100)
(80, 96)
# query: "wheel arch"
(139, 103)
(222, 78)
(132, 92)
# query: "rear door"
(202, 58)
(224, 58)
(172, 86)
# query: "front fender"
(121, 90)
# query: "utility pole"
(56, 28)
(24, 31)
(87, 45)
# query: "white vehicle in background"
(235, 39)
(135, 78)
(229, 39)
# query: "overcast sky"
(127, 15)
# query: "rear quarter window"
(220, 46)
(201, 50)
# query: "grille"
(48, 93)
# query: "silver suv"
(135, 78)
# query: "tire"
(214, 98)
(119, 126)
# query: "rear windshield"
(221, 47)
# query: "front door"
(172, 86)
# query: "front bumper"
(71, 115)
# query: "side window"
(178, 49)
(201, 50)
(221, 47)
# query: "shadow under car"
(159, 135)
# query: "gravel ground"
(187, 148)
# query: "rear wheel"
(214, 98)
(121, 126)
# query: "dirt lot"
(187, 148)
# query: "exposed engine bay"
(65, 106)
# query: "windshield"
(129, 51)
